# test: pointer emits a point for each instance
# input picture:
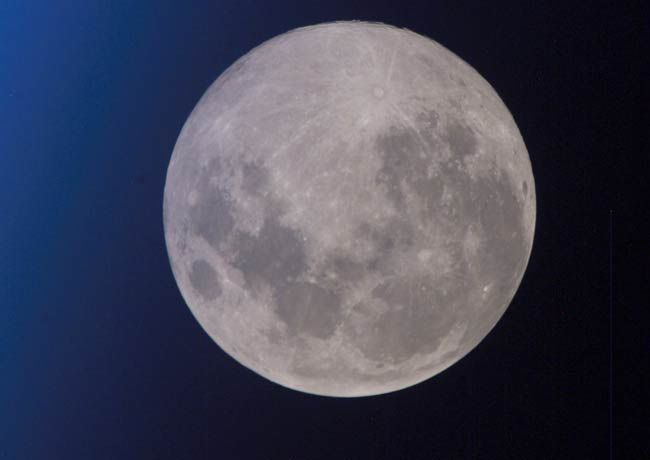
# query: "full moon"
(349, 209)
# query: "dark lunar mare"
(277, 258)
(422, 311)
(211, 216)
(205, 280)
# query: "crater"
(308, 308)
(524, 187)
(205, 280)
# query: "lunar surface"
(349, 209)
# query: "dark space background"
(101, 359)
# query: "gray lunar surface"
(349, 209)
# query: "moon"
(349, 209)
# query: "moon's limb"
(349, 209)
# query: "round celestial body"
(349, 209)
